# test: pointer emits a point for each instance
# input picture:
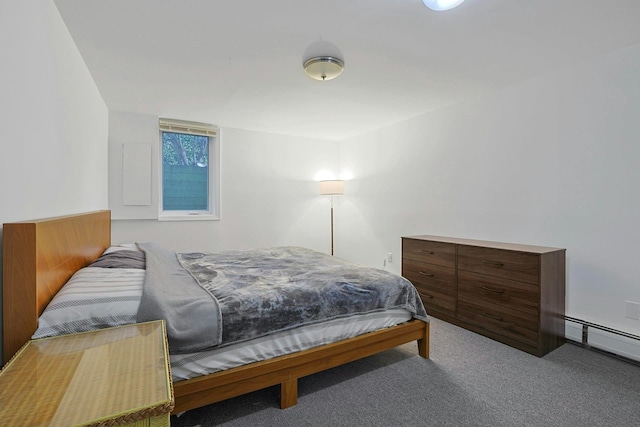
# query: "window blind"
(183, 126)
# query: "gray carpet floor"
(469, 380)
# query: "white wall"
(268, 193)
(53, 153)
(552, 161)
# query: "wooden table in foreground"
(115, 376)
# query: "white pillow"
(93, 298)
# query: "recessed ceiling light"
(440, 5)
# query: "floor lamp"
(331, 188)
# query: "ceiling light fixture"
(440, 5)
(323, 67)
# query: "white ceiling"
(239, 63)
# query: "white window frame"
(201, 129)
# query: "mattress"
(185, 366)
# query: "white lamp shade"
(331, 188)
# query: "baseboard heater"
(585, 338)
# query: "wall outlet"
(389, 257)
(632, 310)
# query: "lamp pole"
(331, 225)
(331, 188)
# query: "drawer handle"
(493, 290)
(424, 251)
(425, 274)
(493, 316)
(494, 263)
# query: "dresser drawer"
(430, 274)
(435, 284)
(503, 292)
(429, 251)
(435, 299)
(503, 320)
(519, 266)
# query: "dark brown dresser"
(511, 293)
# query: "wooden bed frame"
(40, 256)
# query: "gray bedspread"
(192, 315)
(257, 292)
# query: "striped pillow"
(94, 298)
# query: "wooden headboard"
(38, 258)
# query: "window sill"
(189, 217)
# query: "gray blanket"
(171, 293)
(263, 291)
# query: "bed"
(40, 256)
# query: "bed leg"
(289, 393)
(423, 343)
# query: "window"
(189, 181)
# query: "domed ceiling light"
(440, 5)
(323, 67)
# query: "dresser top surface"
(487, 244)
(88, 378)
